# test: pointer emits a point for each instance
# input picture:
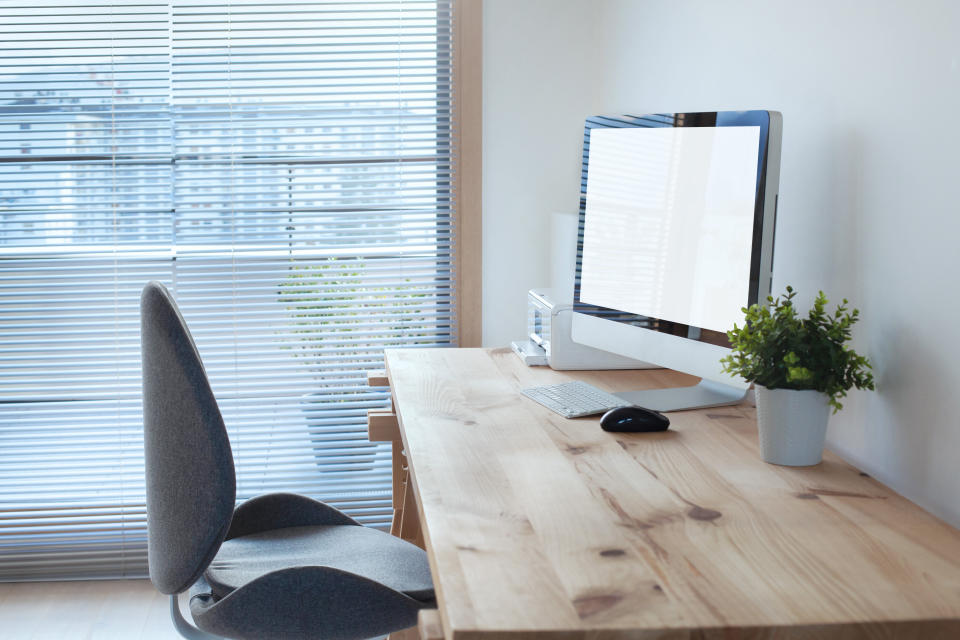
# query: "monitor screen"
(671, 218)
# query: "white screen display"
(668, 225)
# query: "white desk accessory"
(548, 324)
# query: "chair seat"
(363, 551)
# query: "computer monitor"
(677, 218)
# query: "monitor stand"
(699, 396)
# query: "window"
(286, 169)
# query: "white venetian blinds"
(286, 169)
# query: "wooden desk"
(538, 525)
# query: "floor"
(84, 610)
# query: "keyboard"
(574, 399)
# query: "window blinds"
(286, 169)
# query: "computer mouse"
(634, 419)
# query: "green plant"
(350, 310)
(778, 349)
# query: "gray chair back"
(191, 485)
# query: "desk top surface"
(536, 523)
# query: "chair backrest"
(191, 485)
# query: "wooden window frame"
(468, 114)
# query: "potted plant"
(343, 313)
(801, 367)
(325, 300)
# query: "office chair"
(277, 566)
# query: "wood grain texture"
(536, 524)
(377, 378)
(429, 624)
(410, 633)
(382, 426)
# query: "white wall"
(538, 66)
(870, 93)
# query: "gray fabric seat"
(280, 566)
(357, 550)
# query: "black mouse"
(634, 419)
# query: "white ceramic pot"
(792, 425)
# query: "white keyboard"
(575, 399)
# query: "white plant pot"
(792, 425)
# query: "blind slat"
(287, 170)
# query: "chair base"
(183, 627)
